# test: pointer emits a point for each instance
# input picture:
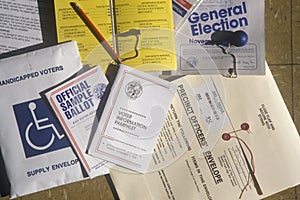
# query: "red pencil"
(96, 33)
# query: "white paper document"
(20, 24)
(75, 104)
(220, 37)
(222, 139)
(132, 119)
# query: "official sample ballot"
(75, 103)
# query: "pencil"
(96, 32)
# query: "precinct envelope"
(132, 119)
(232, 139)
(75, 103)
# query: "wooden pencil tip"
(73, 4)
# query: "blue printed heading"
(76, 99)
(222, 19)
(31, 75)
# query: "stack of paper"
(223, 128)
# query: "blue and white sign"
(39, 131)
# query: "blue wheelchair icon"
(40, 133)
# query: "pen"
(96, 32)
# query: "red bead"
(226, 136)
(245, 126)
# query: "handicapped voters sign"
(39, 131)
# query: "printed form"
(225, 138)
(141, 32)
(20, 24)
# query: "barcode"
(212, 106)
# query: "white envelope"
(36, 153)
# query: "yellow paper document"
(141, 32)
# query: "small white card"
(75, 103)
(132, 119)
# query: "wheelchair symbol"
(32, 107)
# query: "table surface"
(282, 27)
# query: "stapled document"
(141, 32)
